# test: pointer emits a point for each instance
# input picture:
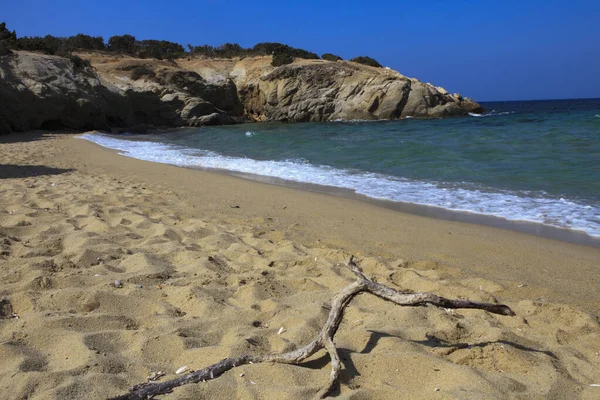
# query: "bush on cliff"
(331, 57)
(204, 50)
(301, 53)
(266, 48)
(272, 48)
(59, 46)
(8, 39)
(366, 61)
(85, 42)
(281, 56)
(48, 44)
(229, 50)
(122, 44)
(160, 49)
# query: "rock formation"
(47, 92)
(317, 90)
(40, 91)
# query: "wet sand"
(213, 265)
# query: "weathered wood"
(324, 340)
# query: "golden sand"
(210, 266)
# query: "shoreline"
(118, 268)
(335, 221)
(575, 236)
(522, 226)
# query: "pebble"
(118, 284)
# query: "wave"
(353, 121)
(512, 205)
(492, 113)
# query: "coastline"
(383, 232)
(85, 216)
(528, 227)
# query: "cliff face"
(39, 91)
(48, 92)
(316, 90)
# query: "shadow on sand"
(349, 371)
(8, 171)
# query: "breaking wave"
(512, 205)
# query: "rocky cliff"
(39, 91)
(317, 90)
(48, 92)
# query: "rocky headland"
(107, 91)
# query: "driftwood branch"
(324, 340)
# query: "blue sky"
(484, 49)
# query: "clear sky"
(484, 49)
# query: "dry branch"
(324, 339)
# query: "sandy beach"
(210, 266)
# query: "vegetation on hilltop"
(331, 57)
(281, 58)
(366, 61)
(7, 39)
(161, 49)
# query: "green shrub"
(48, 44)
(122, 44)
(59, 46)
(301, 53)
(205, 50)
(272, 48)
(8, 39)
(281, 57)
(266, 48)
(85, 42)
(160, 49)
(141, 71)
(366, 61)
(229, 50)
(331, 57)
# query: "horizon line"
(561, 99)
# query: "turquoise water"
(536, 161)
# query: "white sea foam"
(492, 113)
(358, 120)
(250, 133)
(523, 206)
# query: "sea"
(527, 163)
